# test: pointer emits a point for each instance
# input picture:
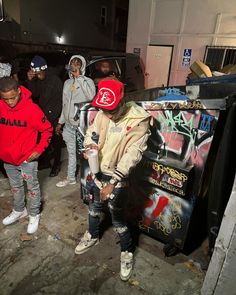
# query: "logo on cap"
(109, 94)
(106, 97)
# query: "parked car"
(126, 66)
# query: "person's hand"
(30, 75)
(33, 157)
(106, 191)
(76, 72)
(58, 130)
(91, 146)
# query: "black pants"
(116, 207)
(53, 152)
(56, 144)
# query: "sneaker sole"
(85, 250)
(61, 185)
(124, 279)
(31, 233)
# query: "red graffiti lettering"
(174, 182)
(161, 204)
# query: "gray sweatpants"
(69, 136)
(27, 172)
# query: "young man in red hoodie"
(21, 121)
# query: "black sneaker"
(54, 172)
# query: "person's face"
(40, 75)
(75, 68)
(105, 67)
(113, 115)
(11, 98)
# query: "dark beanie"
(38, 63)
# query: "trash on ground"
(26, 237)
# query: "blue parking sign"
(187, 52)
(186, 57)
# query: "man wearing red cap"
(122, 130)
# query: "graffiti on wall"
(166, 216)
(173, 179)
(179, 134)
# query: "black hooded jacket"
(47, 94)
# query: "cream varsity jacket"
(121, 144)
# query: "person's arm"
(44, 127)
(88, 87)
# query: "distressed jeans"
(27, 172)
(69, 136)
(116, 207)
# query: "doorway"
(158, 64)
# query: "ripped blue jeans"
(27, 172)
(116, 207)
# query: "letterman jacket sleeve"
(44, 127)
(133, 153)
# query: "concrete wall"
(183, 24)
(44, 21)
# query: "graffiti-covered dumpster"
(176, 169)
(175, 163)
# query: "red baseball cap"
(109, 94)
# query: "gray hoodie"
(76, 90)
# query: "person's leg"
(116, 207)
(17, 188)
(91, 237)
(69, 135)
(30, 175)
(56, 143)
(95, 212)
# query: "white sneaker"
(14, 216)
(65, 182)
(85, 243)
(33, 224)
(126, 265)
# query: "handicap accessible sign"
(187, 57)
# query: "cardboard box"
(192, 76)
(200, 69)
(226, 69)
(232, 70)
